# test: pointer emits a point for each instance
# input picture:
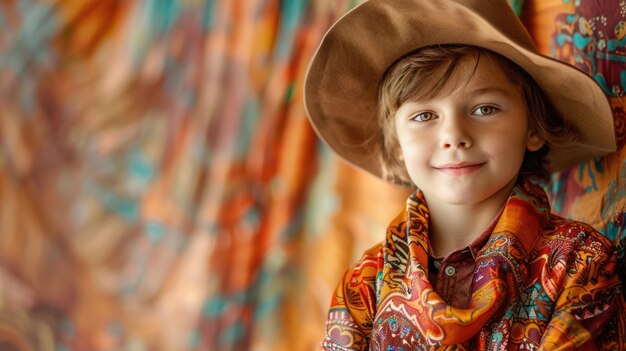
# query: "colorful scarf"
(539, 281)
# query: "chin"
(461, 197)
(460, 202)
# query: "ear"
(400, 155)
(396, 150)
(534, 142)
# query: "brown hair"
(424, 73)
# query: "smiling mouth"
(459, 169)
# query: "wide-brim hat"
(344, 76)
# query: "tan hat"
(342, 82)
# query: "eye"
(424, 117)
(484, 110)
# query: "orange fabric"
(550, 280)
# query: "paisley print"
(540, 282)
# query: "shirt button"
(450, 271)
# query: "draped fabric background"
(161, 189)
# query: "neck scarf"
(411, 312)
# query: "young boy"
(451, 97)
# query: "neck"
(453, 226)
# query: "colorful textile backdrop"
(161, 188)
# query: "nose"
(455, 135)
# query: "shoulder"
(574, 254)
(353, 305)
(358, 284)
(373, 253)
(580, 265)
(569, 235)
(365, 269)
(360, 279)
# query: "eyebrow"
(486, 90)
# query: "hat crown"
(501, 17)
(497, 13)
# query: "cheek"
(507, 144)
(511, 148)
(416, 160)
(415, 156)
(513, 135)
(414, 145)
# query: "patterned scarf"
(411, 314)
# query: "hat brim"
(342, 82)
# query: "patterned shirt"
(538, 282)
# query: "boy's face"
(466, 145)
